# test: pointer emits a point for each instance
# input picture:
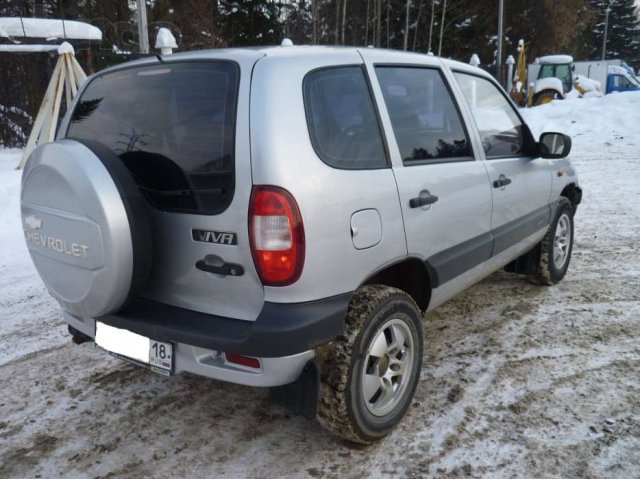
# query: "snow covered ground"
(518, 380)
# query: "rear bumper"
(273, 372)
(283, 337)
(280, 330)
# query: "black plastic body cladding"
(280, 329)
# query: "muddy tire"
(557, 246)
(370, 372)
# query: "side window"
(425, 120)
(500, 127)
(342, 121)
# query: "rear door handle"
(425, 198)
(502, 181)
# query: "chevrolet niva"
(282, 217)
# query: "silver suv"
(282, 217)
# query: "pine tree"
(623, 30)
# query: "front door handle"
(425, 198)
(502, 181)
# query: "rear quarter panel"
(282, 155)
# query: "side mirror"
(554, 145)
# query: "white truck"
(554, 76)
(613, 75)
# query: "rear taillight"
(276, 235)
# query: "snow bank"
(591, 122)
(9, 200)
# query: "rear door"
(444, 192)
(181, 127)
(521, 184)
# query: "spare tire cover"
(86, 225)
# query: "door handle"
(502, 181)
(231, 269)
(424, 199)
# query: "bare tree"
(388, 17)
(444, 12)
(433, 16)
(406, 25)
(337, 24)
(417, 29)
(378, 42)
(314, 21)
(344, 20)
(366, 27)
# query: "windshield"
(633, 81)
(561, 71)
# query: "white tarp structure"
(49, 28)
(67, 76)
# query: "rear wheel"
(371, 371)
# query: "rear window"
(173, 125)
(342, 120)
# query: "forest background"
(450, 28)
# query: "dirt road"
(518, 380)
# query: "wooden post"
(67, 76)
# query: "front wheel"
(557, 246)
(371, 371)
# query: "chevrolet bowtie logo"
(34, 222)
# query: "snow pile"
(588, 84)
(9, 202)
(66, 47)
(593, 123)
(165, 41)
(555, 59)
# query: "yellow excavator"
(519, 83)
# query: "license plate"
(136, 348)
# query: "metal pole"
(606, 27)
(143, 32)
(499, 52)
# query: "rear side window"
(424, 116)
(173, 125)
(342, 121)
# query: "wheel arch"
(573, 193)
(411, 275)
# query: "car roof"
(300, 51)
